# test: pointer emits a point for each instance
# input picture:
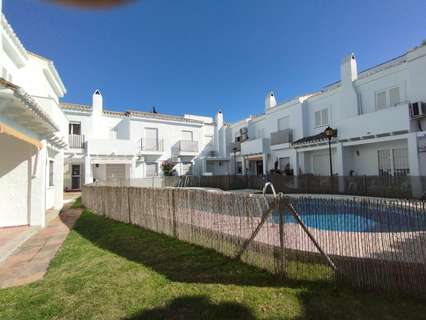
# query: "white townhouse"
(379, 118)
(33, 133)
(108, 145)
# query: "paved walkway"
(31, 260)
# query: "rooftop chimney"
(97, 104)
(348, 69)
(270, 101)
(219, 119)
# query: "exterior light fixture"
(330, 133)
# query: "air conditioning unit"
(244, 137)
(243, 130)
(418, 109)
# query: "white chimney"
(219, 119)
(97, 103)
(348, 94)
(348, 69)
(270, 101)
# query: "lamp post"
(329, 133)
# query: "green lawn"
(110, 270)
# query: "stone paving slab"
(31, 260)
(13, 237)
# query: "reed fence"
(404, 187)
(373, 243)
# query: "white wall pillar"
(59, 180)
(133, 174)
(413, 154)
(265, 163)
(88, 174)
(294, 158)
(413, 160)
(340, 165)
(38, 187)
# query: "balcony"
(150, 146)
(115, 147)
(76, 141)
(187, 147)
(235, 147)
(281, 137)
(255, 146)
(376, 124)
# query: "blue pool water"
(356, 220)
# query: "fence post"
(282, 262)
(128, 204)
(173, 213)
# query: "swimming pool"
(328, 216)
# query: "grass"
(77, 204)
(110, 270)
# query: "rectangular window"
(75, 128)
(380, 100)
(151, 169)
(321, 118)
(187, 135)
(400, 162)
(51, 173)
(150, 142)
(324, 117)
(394, 98)
(283, 123)
(393, 162)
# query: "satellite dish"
(91, 3)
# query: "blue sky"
(195, 56)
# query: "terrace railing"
(76, 141)
(188, 146)
(151, 145)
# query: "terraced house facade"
(108, 145)
(378, 117)
(33, 133)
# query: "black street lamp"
(329, 133)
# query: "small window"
(380, 100)
(318, 119)
(321, 118)
(75, 128)
(394, 96)
(283, 123)
(324, 116)
(151, 169)
(51, 173)
(187, 135)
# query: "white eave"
(11, 44)
(19, 106)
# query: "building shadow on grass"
(195, 307)
(177, 260)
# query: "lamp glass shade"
(329, 132)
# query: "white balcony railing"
(254, 146)
(151, 145)
(389, 120)
(188, 146)
(116, 147)
(282, 136)
(76, 141)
